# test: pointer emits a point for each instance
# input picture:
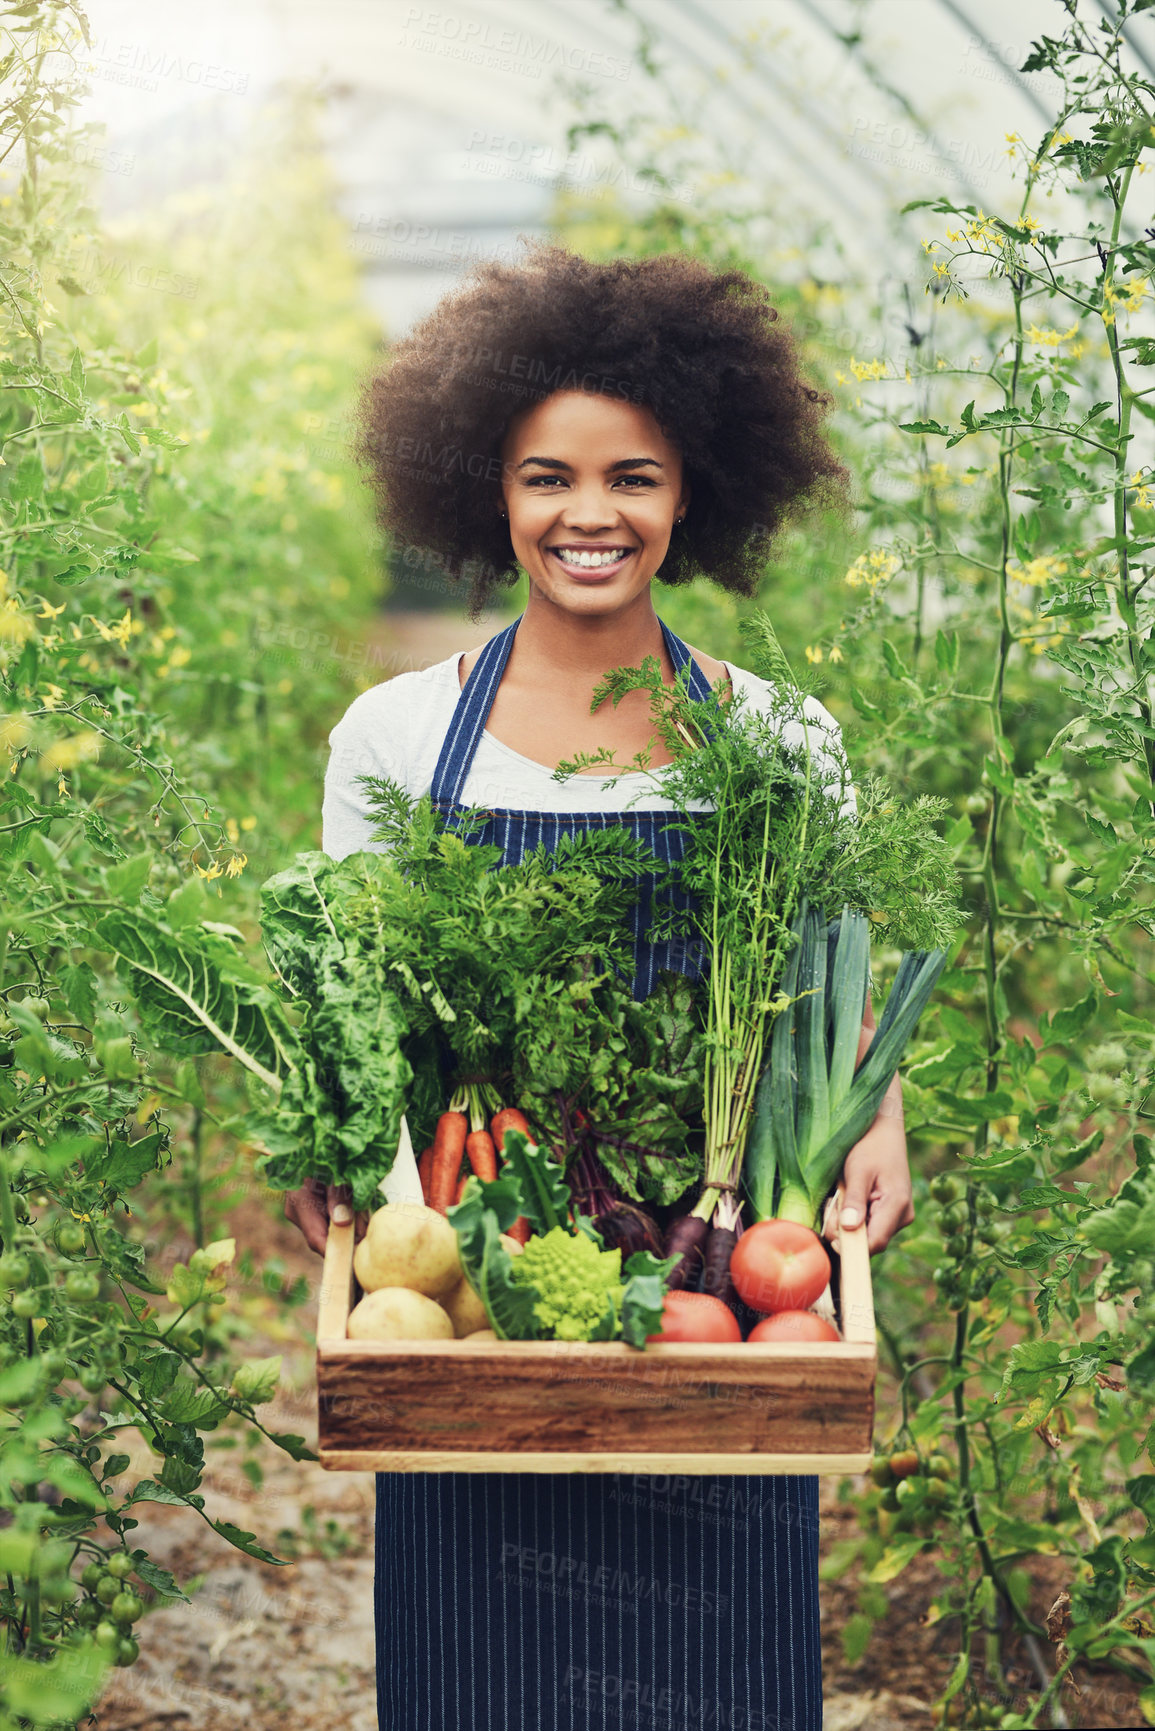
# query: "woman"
(596, 426)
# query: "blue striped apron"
(581, 1601)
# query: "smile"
(585, 560)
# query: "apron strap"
(476, 700)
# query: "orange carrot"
(520, 1230)
(448, 1147)
(482, 1157)
(461, 1183)
(425, 1171)
(509, 1118)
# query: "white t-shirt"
(396, 730)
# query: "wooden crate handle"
(336, 1284)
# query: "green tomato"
(15, 1271)
(944, 1188)
(55, 1363)
(985, 1204)
(880, 1472)
(957, 1246)
(975, 803)
(940, 1466)
(908, 1491)
(81, 1286)
(937, 1491)
(889, 1499)
(91, 1576)
(92, 1378)
(87, 1613)
(108, 1636)
(71, 1238)
(107, 1588)
(128, 1652)
(29, 1304)
(126, 1607)
(955, 1217)
(120, 1564)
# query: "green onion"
(814, 1100)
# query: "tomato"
(779, 1265)
(81, 1285)
(696, 1316)
(126, 1607)
(788, 1326)
(119, 1564)
(905, 1463)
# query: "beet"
(628, 1229)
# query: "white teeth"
(577, 556)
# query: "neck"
(587, 644)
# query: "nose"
(588, 510)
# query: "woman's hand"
(315, 1204)
(876, 1175)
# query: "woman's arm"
(876, 1176)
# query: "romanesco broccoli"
(577, 1284)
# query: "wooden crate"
(562, 1407)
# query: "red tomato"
(696, 1316)
(779, 1265)
(789, 1326)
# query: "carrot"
(685, 1240)
(509, 1118)
(481, 1154)
(716, 1278)
(425, 1171)
(448, 1147)
(461, 1183)
(520, 1230)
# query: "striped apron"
(581, 1601)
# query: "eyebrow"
(622, 463)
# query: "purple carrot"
(719, 1249)
(685, 1240)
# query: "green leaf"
(246, 1542)
(545, 1196)
(488, 1264)
(894, 1560)
(256, 1379)
(195, 994)
(160, 1580)
(642, 1300)
(1066, 1024)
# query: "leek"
(814, 1101)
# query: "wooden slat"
(385, 1461)
(336, 1297)
(857, 1294)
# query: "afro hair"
(701, 349)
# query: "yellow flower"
(248, 823)
(1048, 337)
(210, 872)
(836, 653)
(813, 654)
(48, 611)
(868, 369)
(236, 865)
(871, 569)
(930, 246)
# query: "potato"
(464, 1309)
(482, 1334)
(407, 1244)
(398, 1313)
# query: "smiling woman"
(663, 431)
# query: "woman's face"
(592, 488)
